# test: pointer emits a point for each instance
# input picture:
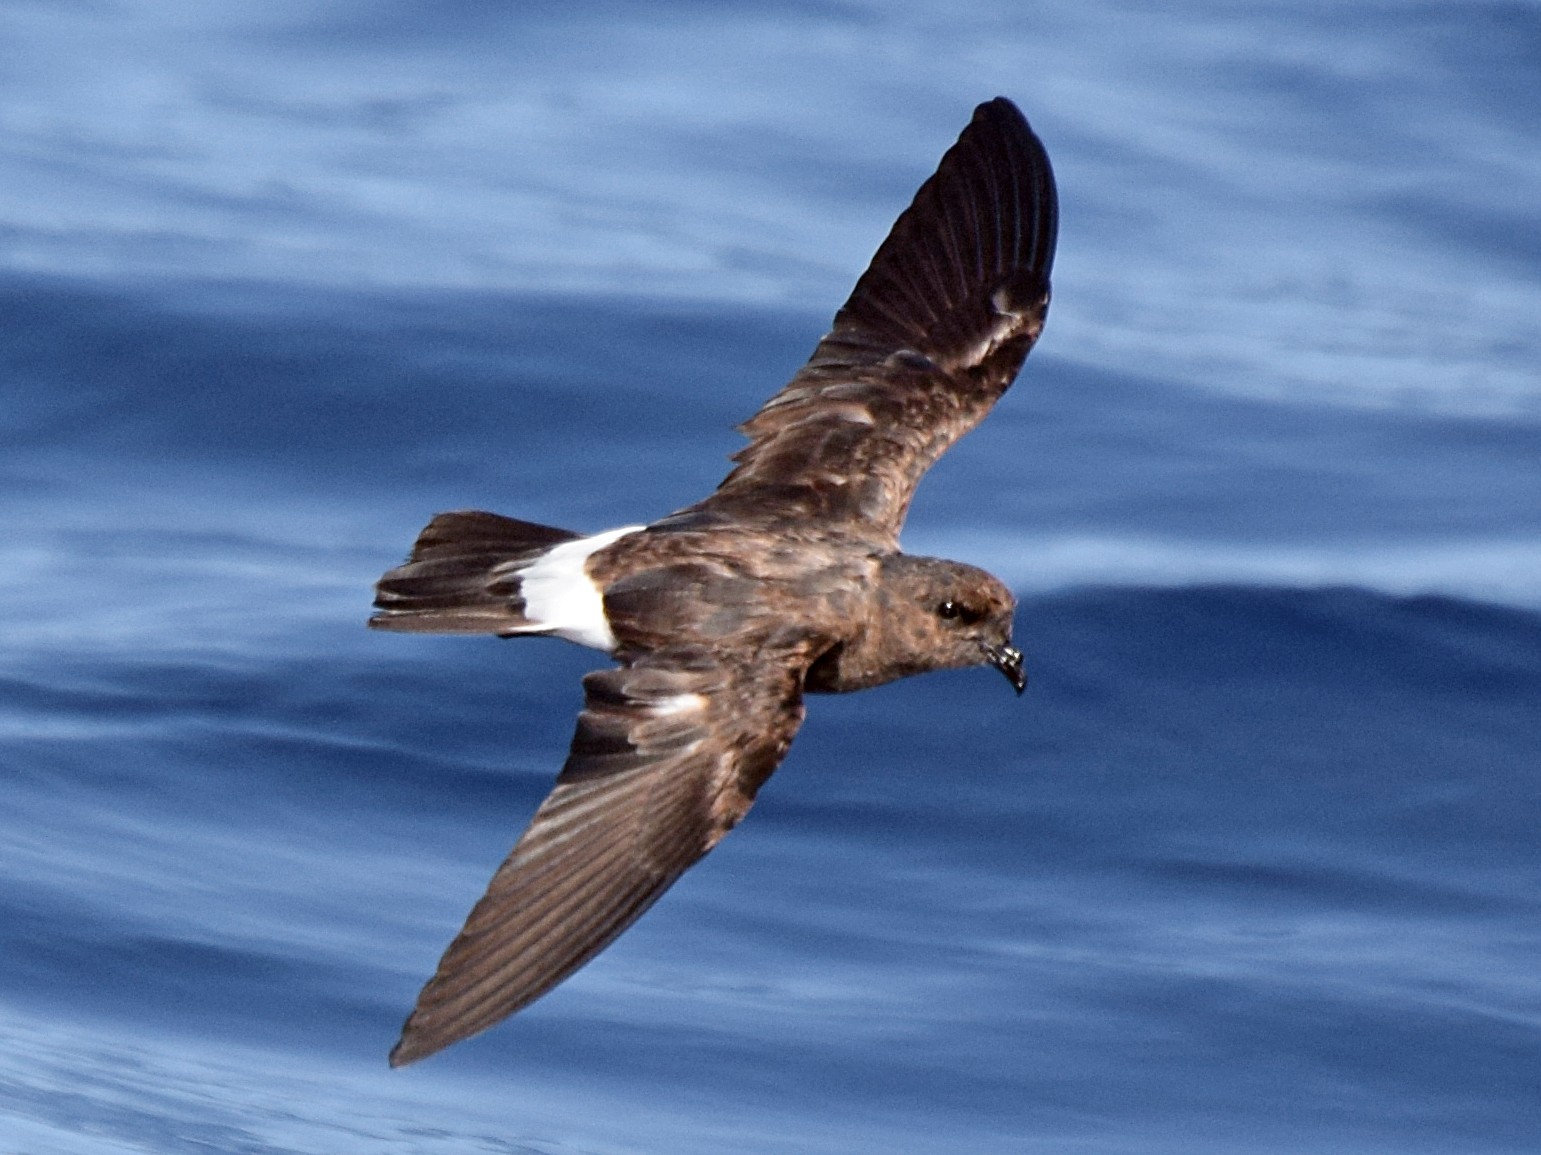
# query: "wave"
(1213, 804)
(1506, 571)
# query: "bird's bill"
(1008, 661)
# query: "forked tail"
(463, 576)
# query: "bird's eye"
(948, 609)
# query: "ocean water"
(1253, 866)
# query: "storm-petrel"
(787, 580)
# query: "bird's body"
(788, 579)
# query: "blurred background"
(1251, 868)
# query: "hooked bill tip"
(1008, 660)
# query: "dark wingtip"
(410, 1049)
(975, 245)
(1007, 120)
(1000, 106)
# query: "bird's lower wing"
(666, 759)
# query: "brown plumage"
(934, 332)
(722, 615)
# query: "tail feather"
(459, 578)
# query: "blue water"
(1252, 868)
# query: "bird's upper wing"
(668, 755)
(934, 332)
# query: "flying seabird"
(787, 580)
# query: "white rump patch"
(561, 599)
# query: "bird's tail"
(463, 576)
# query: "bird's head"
(961, 614)
(930, 614)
